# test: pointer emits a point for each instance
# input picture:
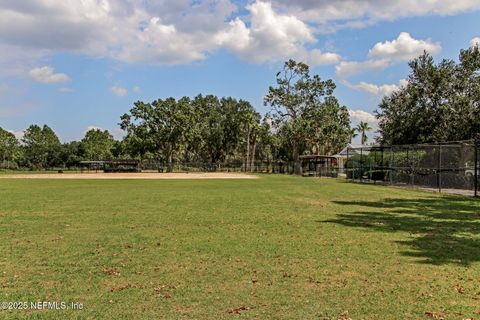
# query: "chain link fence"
(231, 166)
(443, 166)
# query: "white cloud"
(117, 133)
(137, 89)
(357, 116)
(379, 91)
(119, 91)
(65, 90)
(185, 31)
(166, 32)
(475, 42)
(349, 68)
(17, 134)
(317, 57)
(271, 37)
(360, 13)
(46, 74)
(164, 44)
(384, 54)
(93, 127)
(360, 115)
(403, 48)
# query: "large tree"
(71, 153)
(97, 144)
(328, 127)
(296, 99)
(440, 102)
(42, 147)
(161, 127)
(9, 149)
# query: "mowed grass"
(278, 247)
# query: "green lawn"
(278, 247)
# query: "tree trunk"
(169, 162)
(254, 146)
(247, 163)
(297, 166)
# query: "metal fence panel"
(451, 165)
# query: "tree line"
(439, 102)
(305, 118)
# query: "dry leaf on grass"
(111, 271)
(238, 310)
(344, 316)
(127, 286)
(434, 315)
(459, 289)
(164, 286)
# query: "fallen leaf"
(111, 271)
(344, 316)
(459, 289)
(164, 286)
(434, 315)
(238, 310)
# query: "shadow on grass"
(442, 229)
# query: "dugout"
(319, 166)
(119, 165)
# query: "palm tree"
(353, 134)
(363, 128)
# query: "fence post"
(361, 164)
(440, 169)
(345, 166)
(391, 165)
(475, 170)
(409, 166)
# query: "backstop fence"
(450, 165)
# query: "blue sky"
(77, 65)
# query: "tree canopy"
(440, 102)
(305, 106)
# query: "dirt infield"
(113, 176)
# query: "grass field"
(278, 247)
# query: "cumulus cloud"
(153, 32)
(165, 44)
(46, 74)
(17, 134)
(117, 133)
(185, 31)
(379, 91)
(475, 42)
(93, 127)
(361, 13)
(272, 36)
(357, 116)
(317, 57)
(361, 115)
(119, 91)
(350, 68)
(403, 48)
(384, 54)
